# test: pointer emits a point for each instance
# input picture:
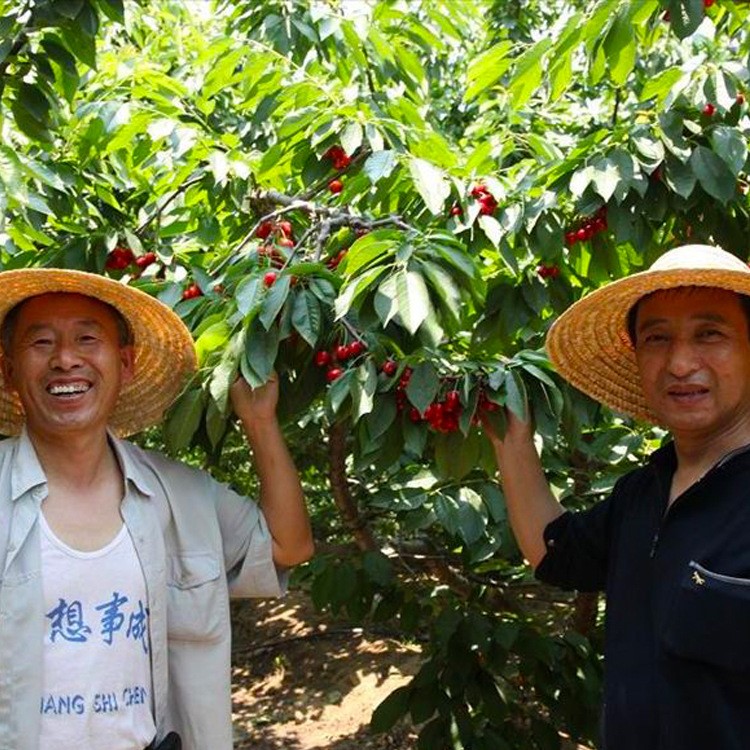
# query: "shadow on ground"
(302, 681)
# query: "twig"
(356, 631)
(160, 209)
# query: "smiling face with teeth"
(67, 363)
(693, 353)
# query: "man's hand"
(255, 405)
(280, 491)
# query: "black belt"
(170, 742)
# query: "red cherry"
(582, 235)
(145, 260)
(192, 292)
(285, 242)
(487, 205)
(708, 3)
(119, 258)
(478, 191)
(269, 279)
(335, 186)
(414, 415)
(740, 99)
(341, 352)
(709, 110)
(453, 400)
(322, 358)
(333, 374)
(456, 210)
(389, 368)
(356, 348)
(285, 227)
(264, 230)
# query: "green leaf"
(461, 514)
(456, 455)
(487, 69)
(685, 16)
(527, 73)
(307, 316)
(620, 47)
(413, 300)
(431, 184)
(379, 165)
(389, 711)
(423, 385)
(378, 567)
(351, 137)
(679, 177)
(183, 419)
(261, 348)
(658, 86)
(214, 337)
(274, 300)
(713, 174)
(363, 389)
(731, 146)
(248, 294)
(516, 397)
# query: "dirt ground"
(302, 681)
(305, 681)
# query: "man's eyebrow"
(707, 317)
(82, 323)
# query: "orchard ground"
(302, 680)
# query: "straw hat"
(164, 352)
(589, 343)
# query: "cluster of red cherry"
(443, 415)
(547, 272)
(121, 257)
(336, 355)
(597, 223)
(487, 202)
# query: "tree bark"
(340, 487)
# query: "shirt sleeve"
(248, 548)
(578, 549)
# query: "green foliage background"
(179, 128)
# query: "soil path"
(302, 681)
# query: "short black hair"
(8, 325)
(633, 312)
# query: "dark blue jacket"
(677, 654)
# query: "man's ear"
(127, 362)
(6, 367)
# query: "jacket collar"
(27, 473)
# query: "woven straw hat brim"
(164, 350)
(589, 343)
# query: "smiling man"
(671, 545)
(117, 563)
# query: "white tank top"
(97, 665)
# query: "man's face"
(67, 364)
(693, 354)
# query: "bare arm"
(281, 497)
(531, 504)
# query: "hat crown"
(704, 257)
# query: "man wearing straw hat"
(671, 545)
(116, 563)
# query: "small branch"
(160, 210)
(357, 632)
(618, 97)
(340, 488)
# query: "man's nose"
(65, 356)
(683, 358)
